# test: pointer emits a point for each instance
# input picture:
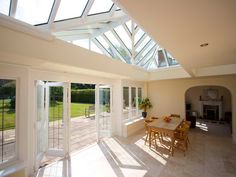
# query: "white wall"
(169, 96)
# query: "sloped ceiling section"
(182, 26)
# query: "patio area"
(211, 153)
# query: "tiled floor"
(211, 153)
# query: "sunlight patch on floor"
(202, 126)
(133, 172)
(120, 155)
(152, 152)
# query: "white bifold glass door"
(51, 121)
(41, 123)
(103, 110)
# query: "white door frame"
(65, 150)
(97, 109)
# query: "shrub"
(83, 96)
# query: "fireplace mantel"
(211, 103)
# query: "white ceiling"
(181, 26)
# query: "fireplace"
(211, 112)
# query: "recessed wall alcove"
(210, 103)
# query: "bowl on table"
(167, 119)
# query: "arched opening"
(210, 105)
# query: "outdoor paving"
(83, 133)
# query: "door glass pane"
(125, 102)
(7, 119)
(34, 11)
(104, 118)
(5, 6)
(133, 101)
(41, 120)
(56, 121)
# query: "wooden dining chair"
(154, 134)
(186, 124)
(146, 122)
(181, 138)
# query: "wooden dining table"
(165, 128)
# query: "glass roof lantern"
(97, 25)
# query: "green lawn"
(78, 109)
(55, 113)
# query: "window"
(139, 99)
(7, 120)
(133, 101)
(126, 102)
(130, 102)
(5, 6)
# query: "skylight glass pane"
(5, 6)
(70, 9)
(124, 36)
(95, 48)
(82, 43)
(161, 59)
(105, 45)
(117, 45)
(152, 65)
(171, 60)
(138, 35)
(145, 41)
(100, 6)
(34, 11)
(148, 48)
(112, 39)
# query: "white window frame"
(16, 150)
(138, 113)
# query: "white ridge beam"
(113, 9)
(73, 23)
(110, 26)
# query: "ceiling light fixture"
(204, 45)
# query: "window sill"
(133, 120)
(11, 168)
